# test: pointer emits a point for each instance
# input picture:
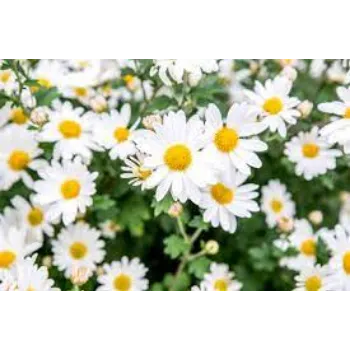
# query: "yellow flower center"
(308, 247)
(143, 174)
(80, 92)
(347, 113)
(273, 105)
(121, 134)
(18, 160)
(310, 150)
(70, 189)
(226, 139)
(44, 82)
(30, 289)
(346, 262)
(5, 76)
(221, 285)
(7, 258)
(313, 284)
(35, 216)
(70, 129)
(122, 283)
(276, 206)
(18, 116)
(128, 79)
(178, 157)
(78, 250)
(222, 194)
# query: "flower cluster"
(88, 147)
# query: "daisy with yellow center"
(273, 104)
(173, 155)
(231, 142)
(113, 133)
(313, 279)
(124, 276)
(25, 275)
(338, 242)
(135, 171)
(78, 246)
(304, 240)
(7, 81)
(338, 130)
(312, 154)
(71, 131)
(220, 279)
(14, 244)
(33, 217)
(16, 158)
(228, 199)
(65, 190)
(276, 203)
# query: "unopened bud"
(100, 271)
(80, 275)
(305, 108)
(285, 224)
(212, 247)
(151, 120)
(344, 196)
(316, 217)
(47, 261)
(290, 73)
(254, 67)
(39, 116)
(98, 104)
(175, 210)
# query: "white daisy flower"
(312, 279)
(228, 199)
(48, 73)
(177, 70)
(311, 153)
(276, 203)
(8, 81)
(16, 158)
(14, 245)
(65, 189)
(174, 155)
(81, 93)
(338, 131)
(33, 217)
(229, 142)
(113, 133)
(15, 115)
(339, 243)
(304, 240)
(109, 229)
(220, 279)
(70, 131)
(25, 275)
(78, 246)
(273, 104)
(134, 170)
(124, 275)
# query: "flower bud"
(285, 224)
(80, 275)
(316, 217)
(151, 120)
(47, 261)
(100, 271)
(212, 247)
(344, 196)
(290, 73)
(98, 104)
(39, 116)
(305, 108)
(175, 210)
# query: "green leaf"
(199, 267)
(162, 206)
(103, 202)
(160, 103)
(45, 97)
(182, 282)
(197, 222)
(175, 246)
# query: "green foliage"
(175, 246)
